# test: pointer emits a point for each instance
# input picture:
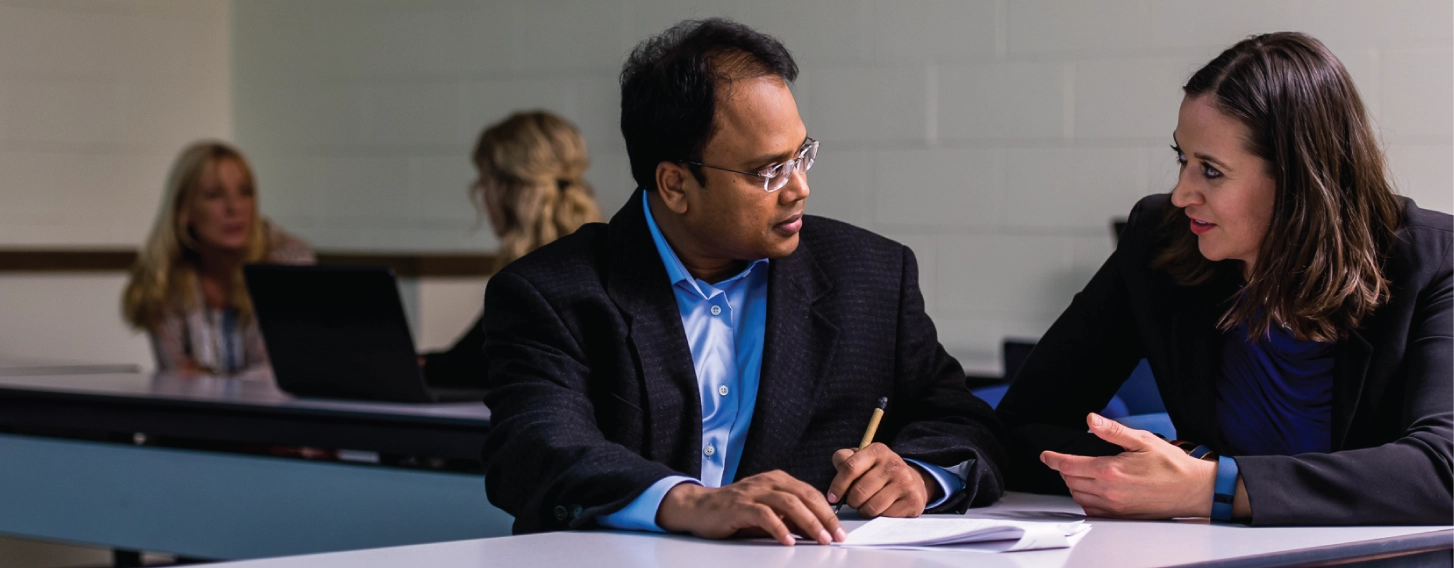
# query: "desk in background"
(1110, 543)
(72, 473)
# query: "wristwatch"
(1225, 487)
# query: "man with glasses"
(708, 361)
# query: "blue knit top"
(1274, 396)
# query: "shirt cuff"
(948, 482)
(640, 513)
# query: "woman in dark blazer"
(1295, 312)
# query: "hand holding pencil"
(873, 421)
(875, 480)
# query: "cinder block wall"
(96, 98)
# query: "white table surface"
(1110, 543)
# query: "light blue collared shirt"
(725, 324)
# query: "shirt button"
(709, 451)
(722, 390)
(716, 310)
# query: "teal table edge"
(229, 506)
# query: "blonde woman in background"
(186, 289)
(531, 187)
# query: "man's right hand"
(772, 503)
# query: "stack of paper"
(966, 534)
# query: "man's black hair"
(669, 88)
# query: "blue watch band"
(1225, 489)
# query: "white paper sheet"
(977, 535)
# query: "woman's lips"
(791, 226)
(1201, 227)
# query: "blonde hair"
(531, 165)
(164, 277)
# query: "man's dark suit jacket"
(1393, 389)
(594, 396)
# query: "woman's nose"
(232, 204)
(1184, 194)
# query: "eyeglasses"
(777, 176)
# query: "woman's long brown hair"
(1319, 267)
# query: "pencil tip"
(883, 403)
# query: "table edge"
(1335, 554)
(21, 392)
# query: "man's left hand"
(878, 482)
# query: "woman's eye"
(1211, 172)
(1180, 157)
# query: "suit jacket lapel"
(1198, 345)
(638, 284)
(1198, 340)
(1350, 369)
(797, 351)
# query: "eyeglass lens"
(780, 175)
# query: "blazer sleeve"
(168, 344)
(463, 365)
(933, 417)
(1406, 481)
(546, 460)
(1074, 370)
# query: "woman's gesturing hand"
(1152, 479)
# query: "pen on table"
(878, 415)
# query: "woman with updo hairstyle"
(532, 188)
(1295, 312)
(531, 181)
(186, 288)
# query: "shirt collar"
(675, 270)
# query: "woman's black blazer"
(1393, 392)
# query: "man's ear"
(671, 184)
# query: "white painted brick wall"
(914, 188)
(1130, 97)
(1003, 101)
(72, 318)
(1410, 78)
(995, 137)
(1070, 190)
(1072, 27)
(932, 30)
(96, 98)
(868, 103)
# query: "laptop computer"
(340, 332)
